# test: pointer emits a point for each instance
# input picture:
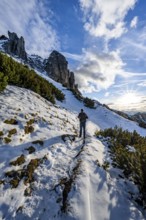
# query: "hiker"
(82, 117)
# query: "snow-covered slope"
(1, 44)
(100, 118)
(58, 177)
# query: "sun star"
(129, 98)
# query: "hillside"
(46, 171)
(14, 73)
(100, 117)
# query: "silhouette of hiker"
(82, 117)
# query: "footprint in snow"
(57, 149)
(50, 163)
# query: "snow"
(131, 149)
(100, 118)
(1, 44)
(94, 192)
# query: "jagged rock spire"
(15, 46)
(57, 68)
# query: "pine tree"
(3, 81)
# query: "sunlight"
(129, 98)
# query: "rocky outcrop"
(15, 46)
(57, 68)
(140, 117)
(71, 80)
(3, 37)
(36, 62)
(56, 65)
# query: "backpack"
(82, 116)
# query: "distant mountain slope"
(46, 172)
(139, 117)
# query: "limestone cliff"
(57, 68)
(15, 46)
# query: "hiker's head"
(82, 110)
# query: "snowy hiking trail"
(99, 194)
(88, 193)
(50, 188)
(71, 183)
(91, 190)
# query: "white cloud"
(32, 20)
(142, 84)
(106, 94)
(105, 18)
(98, 71)
(134, 22)
(129, 104)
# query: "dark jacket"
(82, 117)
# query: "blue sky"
(104, 42)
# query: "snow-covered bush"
(133, 163)
(88, 102)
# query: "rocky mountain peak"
(58, 57)
(3, 37)
(15, 46)
(57, 68)
(56, 65)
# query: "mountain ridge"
(55, 65)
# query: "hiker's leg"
(84, 129)
(80, 129)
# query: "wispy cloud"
(142, 83)
(105, 18)
(76, 57)
(33, 21)
(133, 51)
(134, 22)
